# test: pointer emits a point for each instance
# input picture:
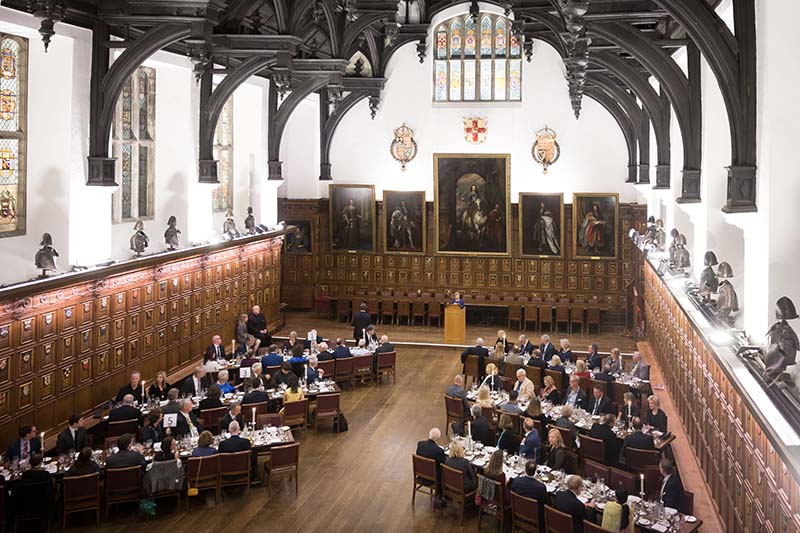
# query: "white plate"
(285, 428)
(670, 511)
(601, 506)
(644, 522)
(691, 519)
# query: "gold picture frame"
(392, 200)
(528, 216)
(339, 197)
(606, 242)
(448, 171)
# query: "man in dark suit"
(215, 351)
(565, 422)
(234, 413)
(360, 322)
(525, 346)
(431, 450)
(126, 411)
(672, 486)
(134, 388)
(537, 362)
(605, 375)
(254, 393)
(595, 360)
(36, 474)
(456, 390)
(528, 486)
(529, 449)
(576, 396)
(341, 351)
(257, 326)
(235, 443)
(325, 353)
(638, 439)
(479, 428)
(73, 438)
(567, 502)
(273, 358)
(547, 348)
(603, 430)
(600, 404)
(187, 422)
(126, 456)
(25, 446)
(384, 346)
(195, 384)
(173, 405)
(482, 354)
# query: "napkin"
(661, 528)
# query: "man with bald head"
(481, 352)
(456, 390)
(126, 411)
(431, 450)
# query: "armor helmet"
(47, 240)
(651, 219)
(680, 239)
(674, 232)
(138, 225)
(249, 210)
(172, 220)
(784, 309)
(710, 259)
(724, 270)
(660, 223)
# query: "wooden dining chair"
(556, 521)
(686, 503)
(525, 513)
(546, 317)
(434, 312)
(327, 408)
(33, 502)
(373, 309)
(418, 311)
(566, 436)
(619, 478)
(471, 369)
(571, 462)
(454, 410)
(576, 318)
(343, 372)
(424, 474)
(515, 315)
(362, 368)
(496, 507)
(638, 461)
(80, 493)
(285, 462)
(593, 449)
(490, 415)
(453, 491)
(510, 369)
(247, 411)
(202, 473)
(269, 419)
(534, 373)
(328, 366)
(531, 313)
(166, 469)
(562, 316)
(387, 362)
(387, 309)
(122, 485)
(403, 310)
(117, 429)
(295, 414)
(592, 318)
(558, 378)
(234, 470)
(343, 310)
(594, 470)
(591, 527)
(212, 418)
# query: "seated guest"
(564, 421)
(604, 431)
(502, 339)
(127, 455)
(594, 359)
(638, 439)
(600, 404)
(215, 351)
(524, 386)
(529, 449)
(492, 380)
(25, 446)
(547, 348)
(250, 355)
(549, 392)
(617, 514)
(254, 393)
(384, 346)
(83, 465)
(565, 352)
(243, 338)
(640, 369)
(580, 369)
(188, 425)
(257, 373)
(479, 427)
(234, 443)
(672, 486)
(567, 502)
(498, 353)
(168, 451)
(158, 390)
(431, 450)
(173, 404)
(556, 365)
(457, 461)
(558, 452)
(341, 351)
(606, 375)
(576, 396)
(477, 350)
(526, 347)
(225, 387)
(204, 445)
(534, 411)
(528, 486)
(484, 397)
(361, 320)
(325, 353)
(514, 357)
(628, 410)
(234, 413)
(536, 361)
(508, 440)
(654, 416)
(273, 358)
(361, 349)
(73, 438)
(615, 362)
(152, 431)
(35, 474)
(126, 411)
(511, 406)
(257, 326)
(293, 391)
(371, 340)
(282, 376)
(456, 390)
(197, 383)
(212, 399)
(134, 388)
(494, 471)
(312, 372)
(293, 345)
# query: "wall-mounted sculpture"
(139, 239)
(250, 221)
(229, 228)
(728, 301)
(172, 234)
(709, 283)
(681, 260)
(46, 256)
(781, 340)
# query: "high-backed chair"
(525, 513)
(212, 418)
(387, 362)
(202, 473)
(546, 317)
(295, 414)
(117, 429)
(344, 370)
(496, 507)
(556, 521)
(576, 317)
(80, 493)
(285, 462)
(454, 410)
(638, 461)
(620, 478)
(515, 315)
(362, 368)
(269, 419)
(594, 470)
(453, 490)
(424, 470)
(123, 485)
(327, 408)
(234, 469)
(592, 449)
(562, 316)
(592, 318)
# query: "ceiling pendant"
(49, 12)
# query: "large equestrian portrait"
(404, 222)
(352, 218)
(595, 223)
(471, 203)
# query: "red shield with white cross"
(475, 129)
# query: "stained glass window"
(133, 144)
(13, 133)
(477, 59)
(222, 196)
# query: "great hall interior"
(395, 265)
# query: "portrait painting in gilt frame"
(299, 243)
(351, 212)
(541, 224)
(595, 224)
(403, 221)
(471, 203)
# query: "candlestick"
(254, 416)
(233, 346)
(144, 391)
(641, 486)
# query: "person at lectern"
(457, 299)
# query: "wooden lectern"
(455, 320)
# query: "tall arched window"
(13, 133)
(477, 60)
(222, 196)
